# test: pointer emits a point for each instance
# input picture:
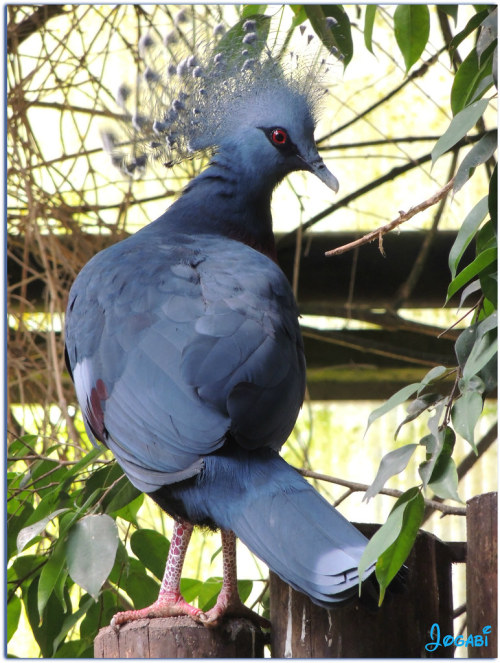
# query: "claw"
(227, 607)
(160, 608)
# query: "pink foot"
(171, 606)
(229, 605)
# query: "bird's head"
(232, 96)
(271, 133)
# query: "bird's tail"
(283, 520)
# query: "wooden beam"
(341, 364)
(327, 286)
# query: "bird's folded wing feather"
(173, 346)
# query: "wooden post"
(400, 628)
(180, 637)
(482, 573)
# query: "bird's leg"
(170, 602)
(229, 603)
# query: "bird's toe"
(160, 608)
(235, 608)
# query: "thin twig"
(392, 492)
(402, 218)
(404, 291)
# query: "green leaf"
(91, 550)
(477, 266)
(99, 613)
(396, 399)
(82, 464)
(27, 565)
(470, 344)
(392, 463)
(459, 126)
(15, 523)
(141, 588)
(466, 233)
(465, 82)
(251, 10)
(472, 25)
(72, 649)
(473, 287)
(22, 445)
(464, 344)
(129, 511)
(465, 414)
(50, 503)
(416, 407)
(47, 630)
(434, 374)
(392, 559)
(488, 33)
(151, 548)
(28, 533)
(493, 198)
(486, 237)
(480, 153)
(216, 554)
(444, 480)
(230, 43)
(13, 615)
(439, 444)
(244, 589)
(208, 593)
(411, 28)
(483, 351)
(387, 534)
(120, 495)
(53, 573)
(190, 588)
(300, 15)
(370, 11)
(71, 620)
(433, 447)
(337, 37)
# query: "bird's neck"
(223, 200)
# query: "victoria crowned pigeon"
(183, 340)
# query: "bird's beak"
(316, 165)
(320, 170)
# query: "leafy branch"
(476, 347)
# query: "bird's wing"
(173, 346)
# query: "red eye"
(279, 137)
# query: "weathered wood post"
(400, 628)
(482, 574)
(180, 637)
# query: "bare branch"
(362, 487)
(402, 218)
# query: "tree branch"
(405, 290)
(362, 487)
(290, 238)
(16, 34)
(402, 218)
(416, 74)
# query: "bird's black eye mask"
(279, 138)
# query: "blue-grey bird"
(183, 340)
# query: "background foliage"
(63, 496)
